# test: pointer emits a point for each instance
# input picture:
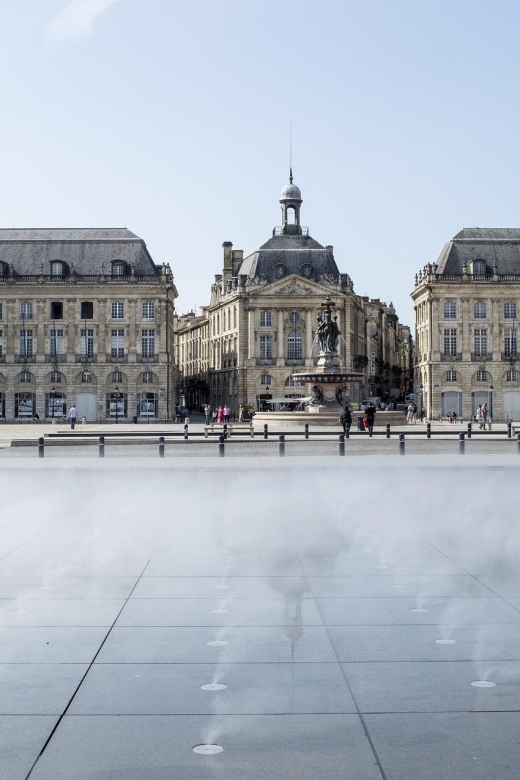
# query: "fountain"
(329, 381)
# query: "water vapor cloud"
(77, 19)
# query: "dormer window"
(118, 268)
(479, 268)
(280, 270)
(306, 269)
(4, 269)
(57, 268)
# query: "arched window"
(294, 317)
(26, 377)
(294, 345)
(57, 268)
(117, 377)
(148, 378)
(118, 268)
(266, 379)
(451, 376)
(56, 377)
(86, 377)
(482, 376)
(291, 215)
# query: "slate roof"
(293, 251)
(493, 245)
(84, 248)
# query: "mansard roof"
(83, 248)
(293, 252)
(497, 247)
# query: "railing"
(448, 357)
(477, 357)
(25, 358)
(86, 358)
(279, 230)
(116, 359)
(82, 279)
(147, 359)
(509, 356)
(55, 358)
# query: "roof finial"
(290, 176)
(290, 152)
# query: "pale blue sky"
(173, 118)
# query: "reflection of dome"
(290, 192)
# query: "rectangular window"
(56, 341)
(57, 310)
(511, 376)
(480, 339)
(1, 312)
(482, 376)
(26, 311)
(118, 310)
(451, 376)
(87, 342)
(266, 319)
(148, 343)
(479, 267)
(510, 343)
(450, 341)
(148, 310)
(87, 310)
(510, 311)
(26, 343)
(117, 343)
(450, 310)
(479, 310)
(266, 347)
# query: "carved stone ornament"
(294, 288)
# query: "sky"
(173, 119)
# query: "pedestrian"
(485, 415)
(220, 415)
(370, 413)
(72, 416)
(207, 413)
(240, 414)
(346, 419)
(414, 414)
(409, 414)
(226, 411)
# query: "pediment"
(292, 285)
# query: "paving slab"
(21, 739)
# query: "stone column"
(251, 328)
(280, 343)
(103, 334)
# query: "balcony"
(147, 358)
(477, 357)
(450, 357)
(265, 361)
(25, 358)
(116, 359)
(510, 357)
(86, 358)
(55, 358)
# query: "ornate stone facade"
(466, 326)
(86, 318)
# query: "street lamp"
(116, 394)
(490, 405)
(53, 391)
(267, 397)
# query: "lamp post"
(267, 397)
(490, 404)
(116, 394)
(53, 391)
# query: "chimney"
(227, 271)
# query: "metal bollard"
(252, 431)
(428, 430)
(360, 423)
(509, 432)
(281, 445)
(401, 444)
(186, 431)
(101, 446)
(518, 439)
(462, 444)
(161, 446)
(224, 430)
(266, 431)
(221, 446)
(469, 430)
(306, 430)
(347, 431)
(342, 444)
(388, 430)
(41, 447)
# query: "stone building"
(261, 322)
(86, 318)
(192, 354)
(466, 326)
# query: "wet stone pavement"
(325, 620)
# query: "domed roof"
(290, 192)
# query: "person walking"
(72, 416)
(226, 411)
(479, 416)
(240, 414)
(409, 415)
(220, 415)
(485, 416)
(370, 413)
(346, 419)
(207, 413)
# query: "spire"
(290, 175)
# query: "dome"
(291, 192)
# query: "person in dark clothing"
(370, 413)
(346, 419)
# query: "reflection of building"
(86, 317)
(260, 325)
(466, 326)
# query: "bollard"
(428, 430)
(41, 447)
(518, 438)
(266, 436)
(462, 444)
(225, 431)
(281, 445)
(101, 443)
(347, 431)
(469, 430)
(388, 430)
(509, 429)
(401, 444)
(360, 423)
(161, 446)
(252, 431)
(186, 431)
(306, 430)
(221, 446)
(342, 444)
